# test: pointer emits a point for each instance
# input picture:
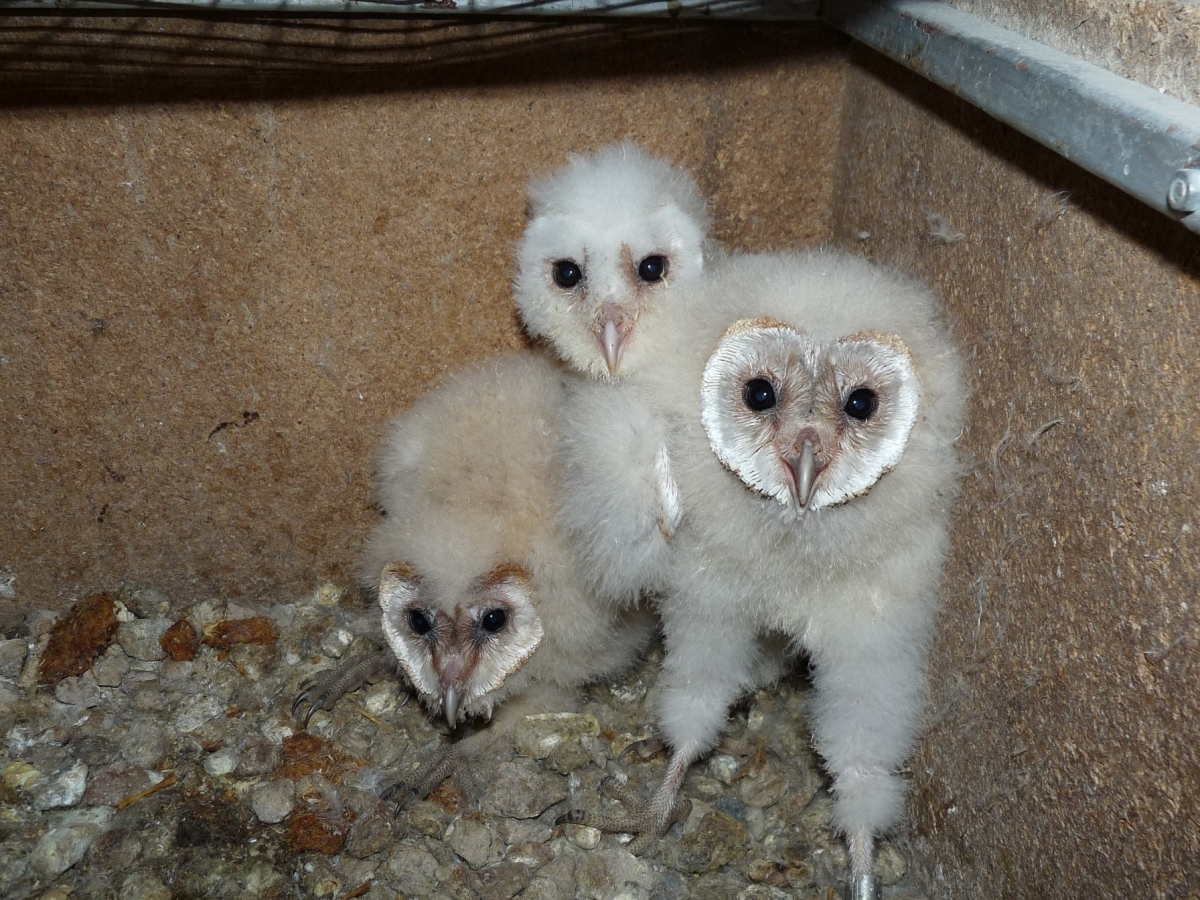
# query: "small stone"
(112, 784)
(12, 657)
(111, 668)
(523, 831)
(428, 818)
(196, 712)
(78, 690)
(328, 595)
(499, 882)
(277, 729)
(221, 762)
(543, 889)
(723, 768)
(144, 886)
(370, 833)
(613, 874)
(711, 839)
(521, 791)
(532, 854)
(95, 750)
(63, 788)
(381, 699)
(890, 864)
(761, 870)
(412, 865)
(707, 789)
(60, 848)
(474, 842)
(8, 693)
(19, 775)
(763, 892)
(140, 638)
(145, 602)
(144, 744)
(14, 863)
(583, 836)
(258, 756)
(762, 788)
(273, 800)
(557, 738)
(335, 641)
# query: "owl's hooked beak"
(802, 476)
(612, 334)
(450, 705)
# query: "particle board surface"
(230, 251)
(1061, 757)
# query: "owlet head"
(606, 234)
(457, 652)
(810, 424)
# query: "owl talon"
(643, 749)
(448, 762)
(642, 819)
(325, 689)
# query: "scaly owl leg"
(870, 684)
(647, 821)
(325, 688)
(449, 761)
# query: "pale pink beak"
(802, 476)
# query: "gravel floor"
(149, 777)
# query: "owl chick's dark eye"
(861, 404)
(758, 394)
(567, 273)
(653, 268)
(419, 622)
(493, 620)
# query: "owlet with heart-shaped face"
(812, 402)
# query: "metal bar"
(1141, 141)
(758, 10)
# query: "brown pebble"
(78, 638)
(228, 632)
(179, 641)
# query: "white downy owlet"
(811, 402)
(482, 608)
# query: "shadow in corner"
(104, 59)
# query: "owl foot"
(324, 689)
(447, 762)
(647, 821)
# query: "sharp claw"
(311, 710)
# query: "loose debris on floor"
(149, 753)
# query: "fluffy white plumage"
(844, 561)
(481, 604)
(607, 234)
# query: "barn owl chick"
(482, 608)
(812, 402)
(607, 234)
